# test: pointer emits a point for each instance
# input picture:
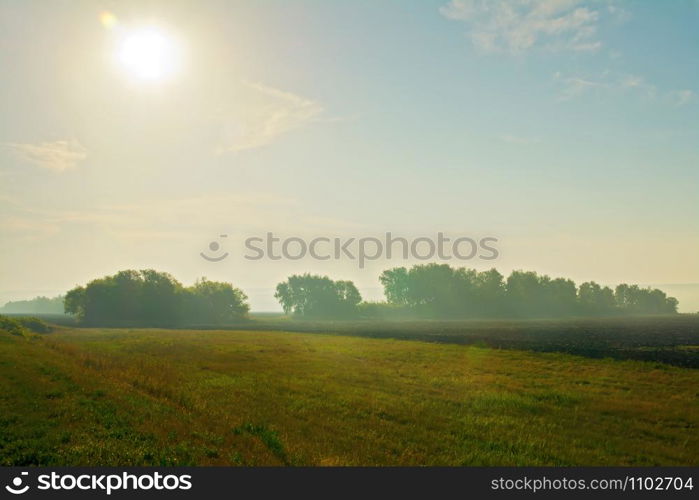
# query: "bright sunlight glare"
(148, 54)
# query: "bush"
(12, 326)
(34, 324)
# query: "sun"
(148, 54)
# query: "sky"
(566, 129)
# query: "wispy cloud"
(620, 14)
(169, 218)
(637, 83)
(150, 218)
(572, 86)
(58, 155)
(516, 26)
(270, 114)
(682, 97)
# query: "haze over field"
(132, 136)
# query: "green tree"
(74, 302)
(395, 285)
(213, 302)
(318, 296)
(153, 298)
(595, 299)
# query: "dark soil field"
(666, 339)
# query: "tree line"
(37, 305)
(441, 291)
(153, 298)
(435, 290)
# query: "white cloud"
(57, 155)
(682, 97)
(572, 86)
(619, 13)
(575, 86)
(516, 26)
(638, 83)
(269, 113)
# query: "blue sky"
(568, 129)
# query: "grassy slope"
(121, 397)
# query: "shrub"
(12, 326)
(34, 324)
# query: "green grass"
(178, 397)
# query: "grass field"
(672, 339)
(176, 397)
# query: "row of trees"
(37, 305)
(440, 291)
(152, 298)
